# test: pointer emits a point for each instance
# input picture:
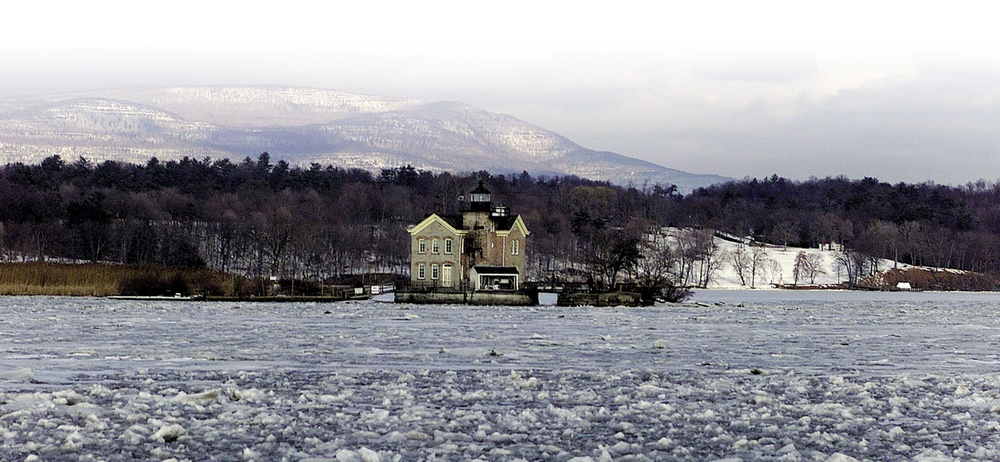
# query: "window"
(421, 271)
(435, 272)
(422, 246)
(435, 246)
(515, 247)
(447, 246)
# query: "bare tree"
(854, 265)
(758, 265)
(783, 232)
(709, 266)
(658, 263)
(807, 266)
(750, 264)
(740, 260)
(815, 267)
(800, 267)
(701, 256)
(611, 252)
(686, 254)
(911, 237)
(774, 269)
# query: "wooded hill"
(257, 219)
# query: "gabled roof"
(503, 224)
(506, 224)
(445, 220)
(454, 220)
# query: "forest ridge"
(259, 219)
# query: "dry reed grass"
(60, 279)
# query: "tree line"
(920, 224)
(260, 219)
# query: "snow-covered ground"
(732, 375)
(782, 273)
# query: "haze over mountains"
(303, 126)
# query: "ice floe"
(769, 380)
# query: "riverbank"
(156, 283)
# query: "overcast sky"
(900, 91)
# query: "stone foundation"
(470, 297)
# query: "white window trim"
(436, 246)
(421, 246)
(435, 272)
(421, 271)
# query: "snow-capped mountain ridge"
(118, 118)
(302, 126)
(263, 105)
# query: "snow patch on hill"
(781, 271)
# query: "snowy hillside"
(779, 265)
(303, 126)
(260, 106)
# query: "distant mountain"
(302, 126)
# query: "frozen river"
(735, 375)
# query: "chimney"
(437, 208)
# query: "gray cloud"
(757, 66)
(925, 128)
